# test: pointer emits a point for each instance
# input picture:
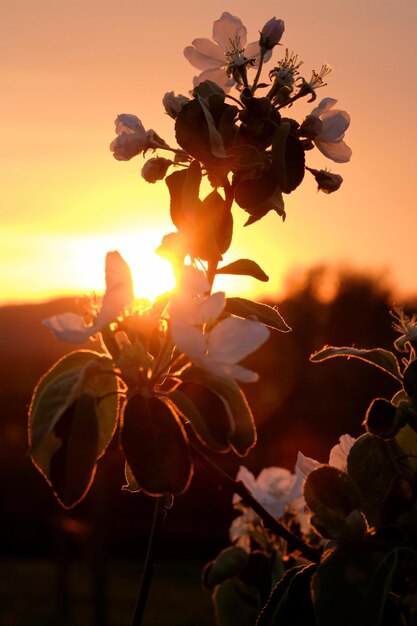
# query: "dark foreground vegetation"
(82, 567)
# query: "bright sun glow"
(152, 275)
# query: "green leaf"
(216, 222)
(207, 411)
(155, 446)
(266, 314)
(131, 482)
(73, 385)
(244, 267)
(383, 359)
(351, 585)
(229, 563)
(252, 192)
(332, 496)
(372, 463)
(72, 464)
(242, 434)
(235, 603)
(76, 373)
(290, 600)
(192, 132)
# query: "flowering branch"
(236, 486)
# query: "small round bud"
(155, 169)
(271, 33)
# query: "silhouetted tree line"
(298, 405)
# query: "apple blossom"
(228, 51)
(119, 293)
(334, 124)
(132, 138)
(214, 347)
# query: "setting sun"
(152, 275)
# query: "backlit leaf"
(381, 358)
(264, 313)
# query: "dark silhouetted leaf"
(384, 419)
(332, 495)
(266, 314)
(155, 446)
(235, 603)
(211, 420)
(287, 158)
(73, 463)
(373, 468)
(383, 359)
(229, 563)
(242, 434)
(290, 600)
(244, 267)
(350, 586)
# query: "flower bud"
(128, 123)
(128, 145)
(311, 127)
(173, 104)
(155, 169)
(326, 181)
(271, 33)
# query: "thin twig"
(158, 520)
(236, 486)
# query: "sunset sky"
(70, 67)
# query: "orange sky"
(70, 67)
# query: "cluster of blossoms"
(224, 62)
(281, 493)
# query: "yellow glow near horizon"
(152, 275)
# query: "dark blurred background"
(82, 567)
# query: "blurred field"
(30, 595)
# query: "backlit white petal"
(217, 76)
(229, 28)
(234, 338)
(337, 151)
(210, 309)
(189, 340)
(205, 53)
(69, 327)
(119, 289)
(335, 123)
(325, 105)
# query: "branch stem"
(158, 521)
(236, 486)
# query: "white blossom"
(228, 49)
(119, 293)
(214, 347)
(334, 124)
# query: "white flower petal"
(204, 53)
(340, 452)
(253, 51)
(210, 309)
(119, 289)
(337, 151)
(228, 370)
(229, 28)
(217, 76)
(190, 340)
(335, 123)
(234, 338)
(69, 327)
(305, 465)
(128, 123)
(325, 105)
